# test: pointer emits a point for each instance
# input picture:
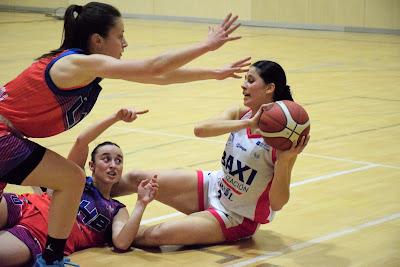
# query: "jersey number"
(71, 113)
(92, 218)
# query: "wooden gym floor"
(345, 198)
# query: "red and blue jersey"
(93, 225)
(36, 107)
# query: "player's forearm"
(128, 233)
(93, 131)
(182, 75)
(185, 75)
(175, 59)
(218, 127)
(280, 189)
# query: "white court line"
(214, 140)
(317, 240)
(330, 175)
(352, 161)
(307, 181)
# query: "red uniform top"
(93, 225)
(36, 107)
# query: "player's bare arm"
(226, 122)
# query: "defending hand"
(219, 35)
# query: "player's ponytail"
(80, 22)
(272, 72)
(282, 93)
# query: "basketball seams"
(283, 123)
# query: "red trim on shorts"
(221, 223)
(246, 229)
(200, 189)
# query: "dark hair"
(94, 152)
(272, 72)
(80, 22)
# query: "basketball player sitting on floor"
(228, 204)
(100, 219)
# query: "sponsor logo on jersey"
(263, 145)
(240, 175)
(238, 145)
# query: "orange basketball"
(282, 123)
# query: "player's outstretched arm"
(86, 68)
(80, 149)
(183, 75)
(125, 228)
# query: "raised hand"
(147, 190)
(232, 70)
(219, 35)
(129, 114)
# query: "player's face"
(255, 90)
(113, 45)
(108, 164)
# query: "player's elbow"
(80, 140)
(278, 204)
(199, 131)
(277, 207)
(157, 66)
(121, 245)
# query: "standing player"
(100, 219)
(59, 89)
(253, 184)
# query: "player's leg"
(3, 213)
(14, 248)
(67, 180)
(13, 252)
(177, 188)
(24, 162)
(197, 228)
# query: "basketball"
(282, 123)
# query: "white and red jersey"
(248, 169)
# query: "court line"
(351, 161)
(295, 184)
(327, 237)
(214, 140)
(334, 174)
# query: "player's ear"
(270, 88)
(96, 40)
(91, 165)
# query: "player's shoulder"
(243, 111)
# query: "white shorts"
(234, 226)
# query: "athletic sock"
(54, 249)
